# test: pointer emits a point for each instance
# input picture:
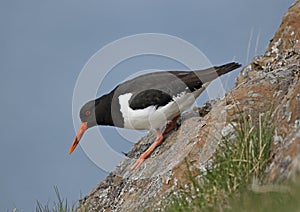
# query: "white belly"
(155, 118)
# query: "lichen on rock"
(271, 81)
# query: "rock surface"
(270, 83)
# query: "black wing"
(159, 88)
(148, 98)
(195, 79)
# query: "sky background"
(45, 44)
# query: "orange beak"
(83, 128)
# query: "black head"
(88, 119)
(95, 112)
(87, 113)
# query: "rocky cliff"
(269, 81)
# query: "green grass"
(240, 159)
(284, 199)
(60, 205)
(234, 181)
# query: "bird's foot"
(137, 163)
(157, 142)
(147, 153)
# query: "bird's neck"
(107, 110)
(103, 110)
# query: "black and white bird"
(151, 101)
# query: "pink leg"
(147, 153)
(157, 142)
(171, 125)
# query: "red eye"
(87, 113)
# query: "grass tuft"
(60, 206)
(240, 159)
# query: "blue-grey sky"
(45, 44)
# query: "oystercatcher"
(150, 101)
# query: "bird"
(153, 101)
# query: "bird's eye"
(87, 113)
